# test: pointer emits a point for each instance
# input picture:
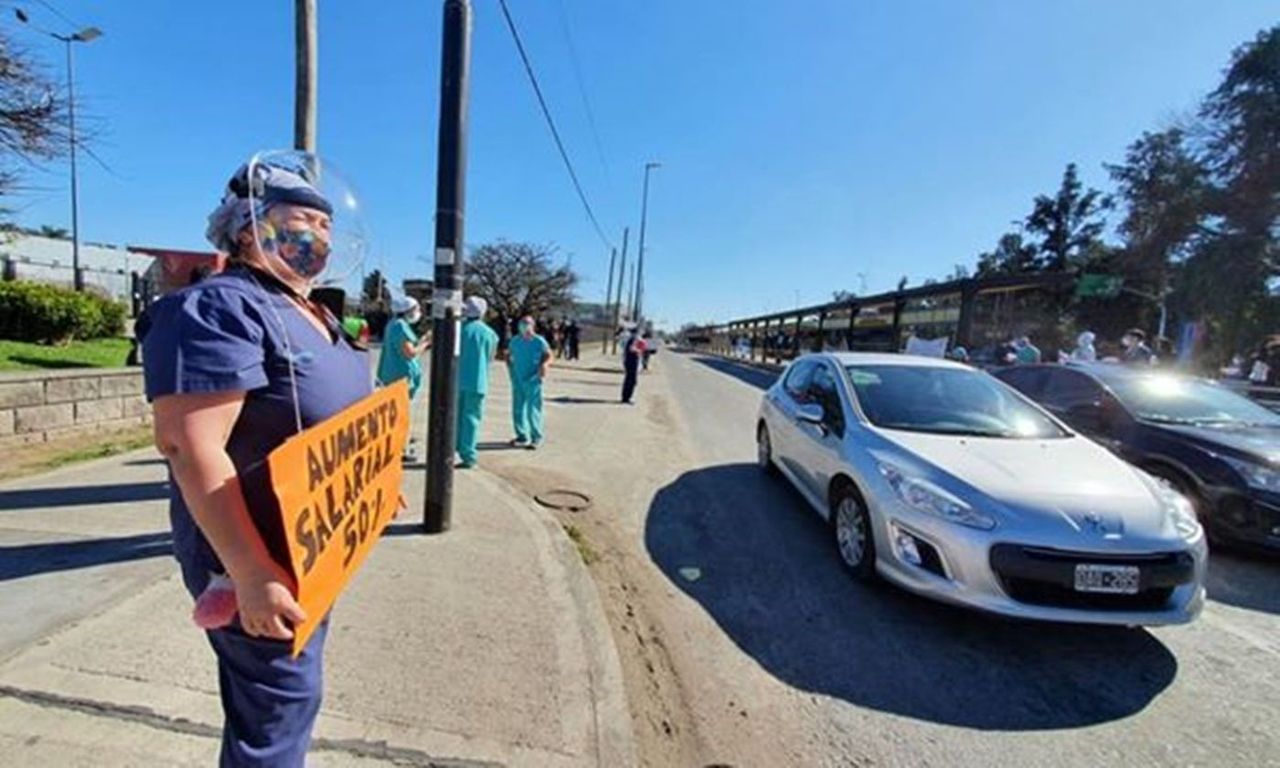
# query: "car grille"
(1043, 576)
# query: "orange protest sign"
(338, 485)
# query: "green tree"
(1069, 224)
(1164, 189)
(1011, 256)
(374, 292)
(1228, 275)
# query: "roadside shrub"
(48, 314)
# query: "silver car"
(944, 481)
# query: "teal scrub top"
(478, 345)
(392, 365)
(526, 356)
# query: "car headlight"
(921, 495)
(1259, 476)
(1179, 509)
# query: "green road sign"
(1099, 286)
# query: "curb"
(611, 717)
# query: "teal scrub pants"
(470, 410)
(526, 409)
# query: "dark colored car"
(1219, 449)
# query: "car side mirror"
(811, 413)
(1089, 416)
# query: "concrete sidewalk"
(487, 645)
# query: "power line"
(51, 9)
(555, 134)
(575, 60)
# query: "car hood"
(1261, 443)
(1070, 485)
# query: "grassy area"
(96, 353)
(585, 550)
(42, 457)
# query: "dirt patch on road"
(662, 720)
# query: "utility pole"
(644, 213)
(304, 89)
(617, 305)
(608, 294)
(631, 294)
(446, 302)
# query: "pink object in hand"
(216, 606)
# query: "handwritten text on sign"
(338, 484)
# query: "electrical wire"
(555, 134)
(51, 9)
(575, 60)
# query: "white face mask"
(414, 316)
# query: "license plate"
(1110, 579)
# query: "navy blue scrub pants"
(270, 700)
(630, 367)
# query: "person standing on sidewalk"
(401, 356)
(476, 347)
(233, 367)
(632, 353)
(528, 357)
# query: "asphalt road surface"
(869, 675)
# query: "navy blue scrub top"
(230, 333)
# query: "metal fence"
(979, 315)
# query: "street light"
(86, 35)
(644, 212)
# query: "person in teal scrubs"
(476, 348)
(401, 355)
(528, 356)
(401, 349)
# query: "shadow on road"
(24, 560)
(756, 377)
(762, 564)
(567, 400)
(1245, 580)
(81, 495)
(152, 462)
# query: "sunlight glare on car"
(1164, 386)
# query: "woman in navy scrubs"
(234, 366)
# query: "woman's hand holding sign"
(266, 603)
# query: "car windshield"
(1182, 400)
(947, 401)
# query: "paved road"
(871, 675)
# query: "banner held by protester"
(338, 485)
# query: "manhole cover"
(559, 498)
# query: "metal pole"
(451, 173)
(644, 214)
(617, 305)
(305, 79)
(631, 295)
(608, 294)
(77, 278)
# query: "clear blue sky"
(802, 143)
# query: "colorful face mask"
(526, 328)
(300, 249)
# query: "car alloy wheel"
(854, 540)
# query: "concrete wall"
(49, 260)
(39, 406)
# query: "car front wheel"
(854, 541)
(764, 451)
